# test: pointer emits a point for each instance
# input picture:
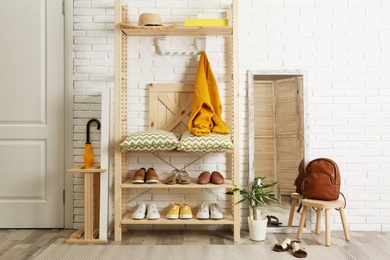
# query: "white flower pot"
(257, 228)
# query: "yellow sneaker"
(173, 212)
(185, 211)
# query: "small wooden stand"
(327, 205)
(89, 234)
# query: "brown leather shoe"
(217, 178)
(204, 177)
(151, 176)
(139, 176)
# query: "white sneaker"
(203, 211)
(140, 212)
(152, 212)
(215, 213)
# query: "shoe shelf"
(161, 185)
(127, 220)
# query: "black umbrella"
(88, 155)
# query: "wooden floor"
(18, 244)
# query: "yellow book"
(205, 22)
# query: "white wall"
(342, 45)
(344, 48)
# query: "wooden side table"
(89, 234)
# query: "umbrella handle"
(88, 124)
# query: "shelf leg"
(88, 206)
(96, 200)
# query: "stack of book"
(208, 19)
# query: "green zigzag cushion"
(210, 143)
(151, 140)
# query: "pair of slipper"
(273, 221)
(179, 177)
(297, 248)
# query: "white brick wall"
(342, 45)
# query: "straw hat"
(149, 19)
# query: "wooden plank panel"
(287, 132)
(288, 158)
(265, 158)
(263, 109)
(170, 106)
(286, 108)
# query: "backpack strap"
(299, 207)
(345, 201)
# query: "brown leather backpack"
(322, 180)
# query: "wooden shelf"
(227, 220)
(81, 169)
(178, 31)
(176, 151)
(227, 185)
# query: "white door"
(31, 114)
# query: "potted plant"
(257, 194)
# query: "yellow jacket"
(206, 107)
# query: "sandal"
(282, 246)
(297, 249)
(183, 177)
(273, 221)
(172, 178)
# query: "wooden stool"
(322, 204)
(91, 206)
(294, 198)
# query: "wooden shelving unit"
(122, 32)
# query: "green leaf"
(257, 193)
